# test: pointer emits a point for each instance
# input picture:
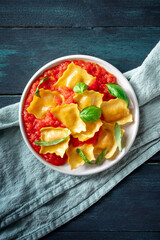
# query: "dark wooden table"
(122, 32)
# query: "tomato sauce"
(32, 125)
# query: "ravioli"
(73, 75)
(75, 160)
(91, 129)
(116, 110)
(107, 140)
(47, 100)
(68, 114)
(49, 134)
(88, 98)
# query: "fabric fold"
(35, 200)
(144, 79)
(9, 116)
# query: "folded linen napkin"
(35, 200)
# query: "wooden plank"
(79, 13)
(133, 205)
(24, 51)
(7, 100)
(155, 158)
(102, 235)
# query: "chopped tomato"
(33, 125)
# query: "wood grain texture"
(79, 13)
(103, 236)
(24, 51)
(7, 100)
(133, 205)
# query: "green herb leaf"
(37, 90)
(83, 156)
(118, 136)
(116, 91)
(101, 156)
(90, 114)
(54, 142)
(98, 160)
(80, 87)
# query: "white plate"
(130, 129)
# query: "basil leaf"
(37, 90)
(83, 156)
(54, 142)
(118, 136)
(98, 160)
(116, 91)
(101, 156)
(80, 87)
(90, 114)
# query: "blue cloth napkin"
(35, 200)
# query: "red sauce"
(33, 125)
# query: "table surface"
(122, 32)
